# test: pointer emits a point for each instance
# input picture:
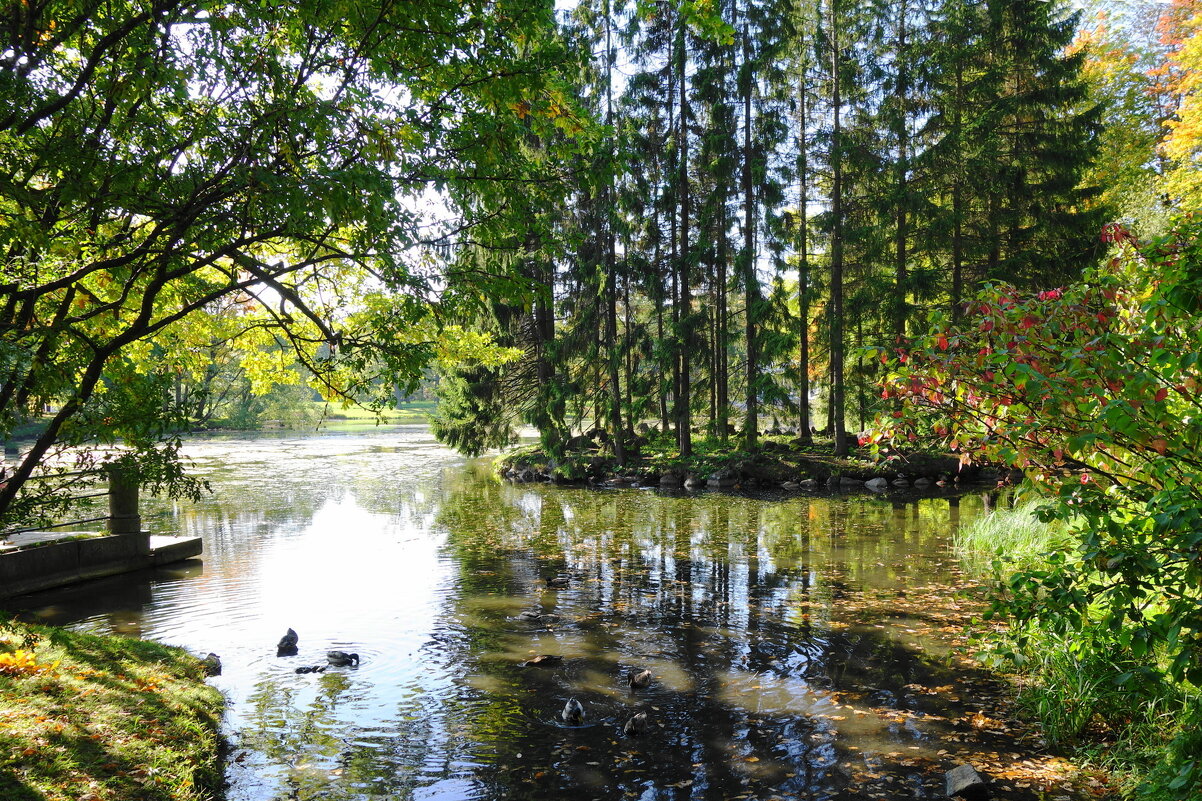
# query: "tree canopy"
(343, 177)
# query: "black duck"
(342, 658)
(212, 665)
(287, 644)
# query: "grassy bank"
(1093, 699)
(90, 718)
(407, 413)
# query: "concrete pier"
(39, 560)
(66, 558)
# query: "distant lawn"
(407, 413)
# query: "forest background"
(968, 221)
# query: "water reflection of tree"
(312, 739)
(721, 587)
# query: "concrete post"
(123, 507)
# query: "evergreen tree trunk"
(674, 199)
(722, 379)
(957, 293)
(712, 337)
(750, 281)
(837, 212)
(684, 430)
(901, 133)
(803, 265)
(612, 355)
(628, 339)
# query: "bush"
(1095, 391)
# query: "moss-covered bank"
(780, 461)
(91, 718)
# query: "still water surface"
(785, 663)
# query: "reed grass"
(1088, 693)
(1008, 539)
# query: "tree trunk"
(803, 269)
(903, 147)
(684, 431)
(612, 356)
(837, 212)
(750, 281)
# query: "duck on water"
(342, 658)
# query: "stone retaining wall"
(57, 563)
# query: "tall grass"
(1088, 692)
(1008, 539)
(1094, 701)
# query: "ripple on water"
(753, 616)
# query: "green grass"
(1145, 730)
(1008, 539)
(1147, 733)
(91, 718)
(407, 413)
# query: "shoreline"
(779, 464)
(105, 718)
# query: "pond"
(798, 645)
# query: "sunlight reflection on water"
(756, 618)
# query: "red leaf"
(1161, 394)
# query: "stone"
(723, 478)
(693, 482)
(211, 665)
(809, 483)
(922, 483)
(964, 782)
(901, 482)
(848, 481)
(790, 485)
(878, 484)
(669, 480)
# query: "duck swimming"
(573, 712)
(636, 725)
(287, 644)
(558, 582)
(312, 669)
(342, 658)
(638, 680)
(543, 660)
